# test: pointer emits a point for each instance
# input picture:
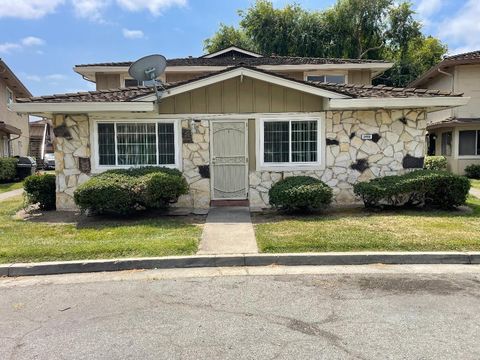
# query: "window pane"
(447, 144)
(136, 144)
(304, 141)
(106, 144)
(132, 83)
(276, 140)
(166, 144)
(467, 143)
(337, 79)
(316, 78)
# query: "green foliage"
(8, 169)
(438, 189)
(438, 163)
(41, 189)
(300, 193)
(370, 29)
(473, 171)
(123, 191)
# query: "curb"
(316, 259)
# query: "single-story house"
(236, 131)
(455, 132)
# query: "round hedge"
(123, 191)
(300, 193)
(40, 190)
(473, 171)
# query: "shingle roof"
(452, 121)
(129, 94)
(228, 61)
(473, 55)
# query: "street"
(362, 312)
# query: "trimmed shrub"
(300, 193)
(40, 190)
(123, 191)
(438, 189)
(438, 163)
(8, 169)
(473, 171)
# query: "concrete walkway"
(228, 230)
(10, 194)
(475, 192)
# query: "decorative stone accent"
(70, 154)
(349, 159)
(196, 166)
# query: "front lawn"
(362, 230)
(10, 186)
(28, 241)
(475, 184)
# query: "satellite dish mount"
(149, 69)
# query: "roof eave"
(80, 107)
(430, 103)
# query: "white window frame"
(291, 166)
(8, 93)
(466, 157)
(97, 168)
(326, 73)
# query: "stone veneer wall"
(398, 133)
(68, 152)
(195, 155)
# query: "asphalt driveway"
(366, 312)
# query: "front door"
(229, 159)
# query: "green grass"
(10, 186)
(475, 184)
(28, 241)
(360, 230)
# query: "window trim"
(442, 134)
(467, 157)
(8, 92)
(97, 168)
(291, 166)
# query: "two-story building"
(235, 122)
(14, 129)
(455, 133)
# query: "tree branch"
(371, 49)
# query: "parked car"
(49, 161)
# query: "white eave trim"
(398, 103)
(230, 48)
(80, 107)
(272, 79)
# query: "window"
(469, 142)
(447, 143)
(10, 97)
(132, 83)
(293, 142)
(129, 144)
(337, 79)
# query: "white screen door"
(229, 159)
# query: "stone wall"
(398, 139)
(195, 162)
(69, 149)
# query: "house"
(235, 122)
(455, 132)
(41, 139)
(14, 132)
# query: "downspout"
(9, 144)
(452, 77)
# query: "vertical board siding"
(235, 96)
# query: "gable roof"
(472, 57)
(12, 81)
(232, 51)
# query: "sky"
(41, 40)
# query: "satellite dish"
(148, 68)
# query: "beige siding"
(359, 77)
(20, 145)
(107, 81)
(467, 81)
(174, 77)
(235, 96)
(440, 82)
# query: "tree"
(227, 36)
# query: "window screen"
(304, 141)
(276, 141)
(106, 144)
(136, 144)
(468, 143)
(166, 144)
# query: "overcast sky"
(41, 40)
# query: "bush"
(41, 189)
(300, 193)
(8, 169)
(438, 189)
(121, 192)
(438, 163)
(473, 171)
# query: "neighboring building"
(41, 139)
(14, 132)
(235, 131)
(455, 132)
